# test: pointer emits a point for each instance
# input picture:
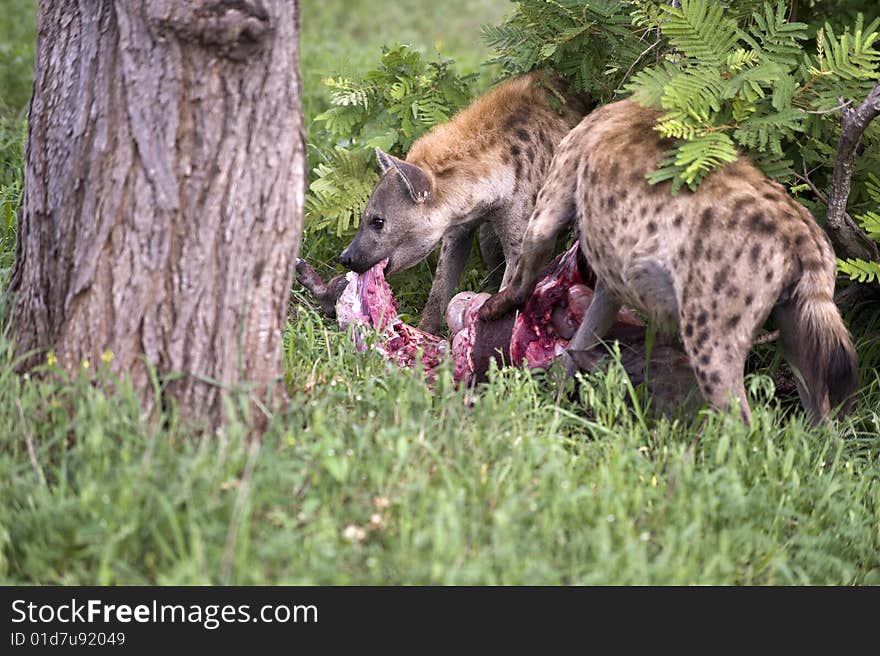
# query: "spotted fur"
(712, 265)
(480, 170)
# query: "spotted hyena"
(711, 264)
(481, 170)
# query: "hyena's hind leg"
(718, 356)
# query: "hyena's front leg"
(454, 251)
(492, 252)
(553, 212)
(554, 209)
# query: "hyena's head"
(397, 220)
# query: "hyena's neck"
(494, 153)
(467, 192)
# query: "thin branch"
(828, 111)
(638, 59)
(805, 178)
(29, 442)
(847, 237)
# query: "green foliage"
(389, 107)
(692, 159)
(750, 82)
(858, 269)
(700, 30)
(591, 43)
(17, 44)
(727, 76)
(340, 188)
(344, 38)
(371, 477)
(12, 134)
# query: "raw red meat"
(368, 303)
(533, 337)
(554, 311)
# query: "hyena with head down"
(711, 264)
(480, 170)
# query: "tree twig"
(637, 60)
(846, 235)
(828, 111)
(29, 442)
(805, 178)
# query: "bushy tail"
(825, 357)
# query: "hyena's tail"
(818, 344)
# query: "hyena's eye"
(377, 222)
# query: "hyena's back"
(711, 264)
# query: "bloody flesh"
(368, 303)
(532, 337)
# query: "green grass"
(17, 43)
(371, 477)
(12, 131)
(347, 37)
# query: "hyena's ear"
(417, 181)
(384, 160)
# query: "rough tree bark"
(845, 234)
(163, 191)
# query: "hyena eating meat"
(481, 170)
(712, 264)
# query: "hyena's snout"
(345, 258)
(352, 258)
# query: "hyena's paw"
(500, 305)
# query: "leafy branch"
(389, 107)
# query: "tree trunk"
(163, 192)
(848, 238)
